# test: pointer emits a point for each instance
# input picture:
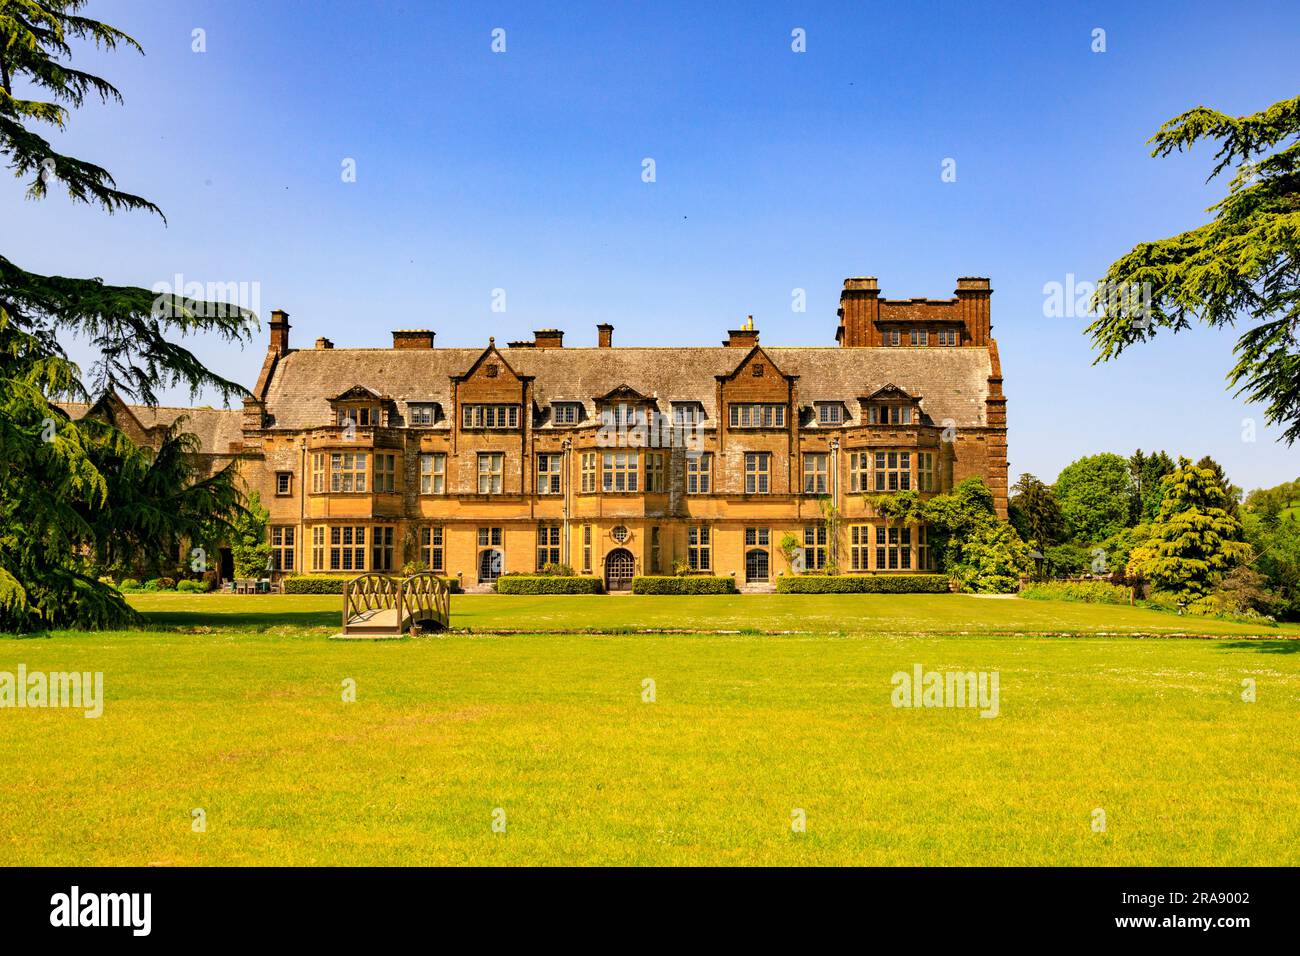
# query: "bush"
(329, 584)
(547, 584)
(129, 584)
(314, 584)
(1090, 592)
(192, 587)
(863, 584)
(166, 584)
(696, 584)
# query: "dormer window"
(422, 414)
(622, 415)
(890, 415)
(830, 413)
(361, 416)
(565, 413)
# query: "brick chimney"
(745, 337)
(279, 331)
(973, 294)
(412, 339)
(859, 310)
(548, 339)
(605, 335)
(324, 343)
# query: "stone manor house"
(617, 461)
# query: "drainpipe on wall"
(835, 496)
(566, 477)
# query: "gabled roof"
(890, 392)
(624, 393)
(357, 392)
(953, 380)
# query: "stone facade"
(620, 461)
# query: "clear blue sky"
(775, 170)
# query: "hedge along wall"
(683, 585)
(328, 584)
(547, 584)
(868, 584)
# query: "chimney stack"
(745, 337)
(859, 311)
(412, 339)
(973, 294)
(605, 335)
(279, 331)
(324, 343)
(548, 339)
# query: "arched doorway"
(490, 562)
(756, 566)
(620, 566)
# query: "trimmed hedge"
(863, 584)
(692, 584)
(314, 584)
(547, 584)
(1090, 592)
(329, 584)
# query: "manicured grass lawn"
(766, 613)
(248, 723)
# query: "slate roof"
(953, 382)
(216, 428)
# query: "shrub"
(328, 584)
(129, 584)
(864, 584)
(191, 587)
(166, 584)
(695, 584)
(150, 585)
(314, 584)
(1090, 592)
(547, 584)
(413, 567)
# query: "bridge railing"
(369, 592)
(425, 596)
(421, 597)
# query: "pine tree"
(1195, 539)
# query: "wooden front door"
(620, 566)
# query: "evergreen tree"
(1195, 539)
(1241, 267)
(64, 484)
(1035, 512)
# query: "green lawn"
(247, 722)
(766, 613)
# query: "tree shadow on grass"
(1267, 646)
(238, 620)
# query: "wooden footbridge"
(380, 605)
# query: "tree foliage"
(1195, 539)
(970, 543)
(248, 542)
(1241, 266)
(74, 493)
(1095, 494)
(1035, 513)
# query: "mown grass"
(249, 724)
(763, 613)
